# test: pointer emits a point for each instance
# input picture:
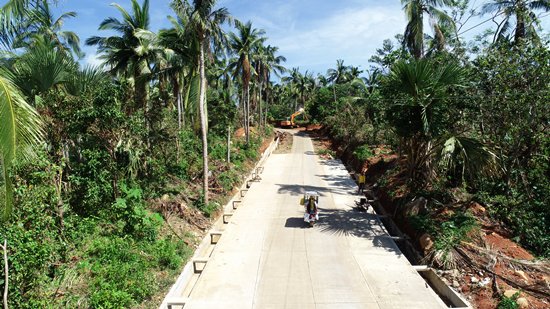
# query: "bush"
(32, 233)
(170, 254)
(363, 153)
(508, 303)
(118, 274)
(447, 234)
(138, 222)
(228, 179)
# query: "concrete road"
(268, 258)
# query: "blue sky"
(311, 34)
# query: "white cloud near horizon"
(351, 34)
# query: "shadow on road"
(349, 222)
(297, 223)
(341, 184)
(301, 189)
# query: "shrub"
(363, 153)
(138, 222)
(508, 303)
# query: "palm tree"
(128, 54)
(205, 27)
(354, 73)
(13, 16)
(182, 69)
(20, 128)
(337, 75)
(414, 32)
(243, 44)
(267, 63)
(42, 23)
(523, 11)
(42, 68)
(425, 85)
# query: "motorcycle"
(310, 202)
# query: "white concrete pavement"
(267, 257)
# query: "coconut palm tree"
(20, 129)
(41, 22)
(243, 44)
(268, 62)
(182, 70)
(13, 15)
(205, 26)
(337, 75)
(414, 32)
(524, 13)
(128, 54)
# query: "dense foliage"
(112, 146)
(87, 153)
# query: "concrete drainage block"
(235, 204)
(176, 301)
(199, 265)
(226, 218)
(215, 237)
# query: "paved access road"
(268, 258)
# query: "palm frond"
(20, 130)
(474, 158)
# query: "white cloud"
(92, 59)
(352, 35)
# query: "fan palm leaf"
(473, 157)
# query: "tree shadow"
(341, 184)
(301, 189)
(350, 222)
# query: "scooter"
(310, 202)
(311, 218)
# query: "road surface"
(268, 258)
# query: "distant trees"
(524, 13)
(244, 44)
(414, 32)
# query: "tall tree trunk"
(267, 98)
(140, 92)
(6, 273)
(176, 92)
(260, 104)
(243, 105)
(247, 120)
(204, 122)
(520, 25)
(228, 144)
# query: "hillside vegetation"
(108, 175)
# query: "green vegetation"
(448, 232)
(88, 218)
(508, 302)
(113, 149)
